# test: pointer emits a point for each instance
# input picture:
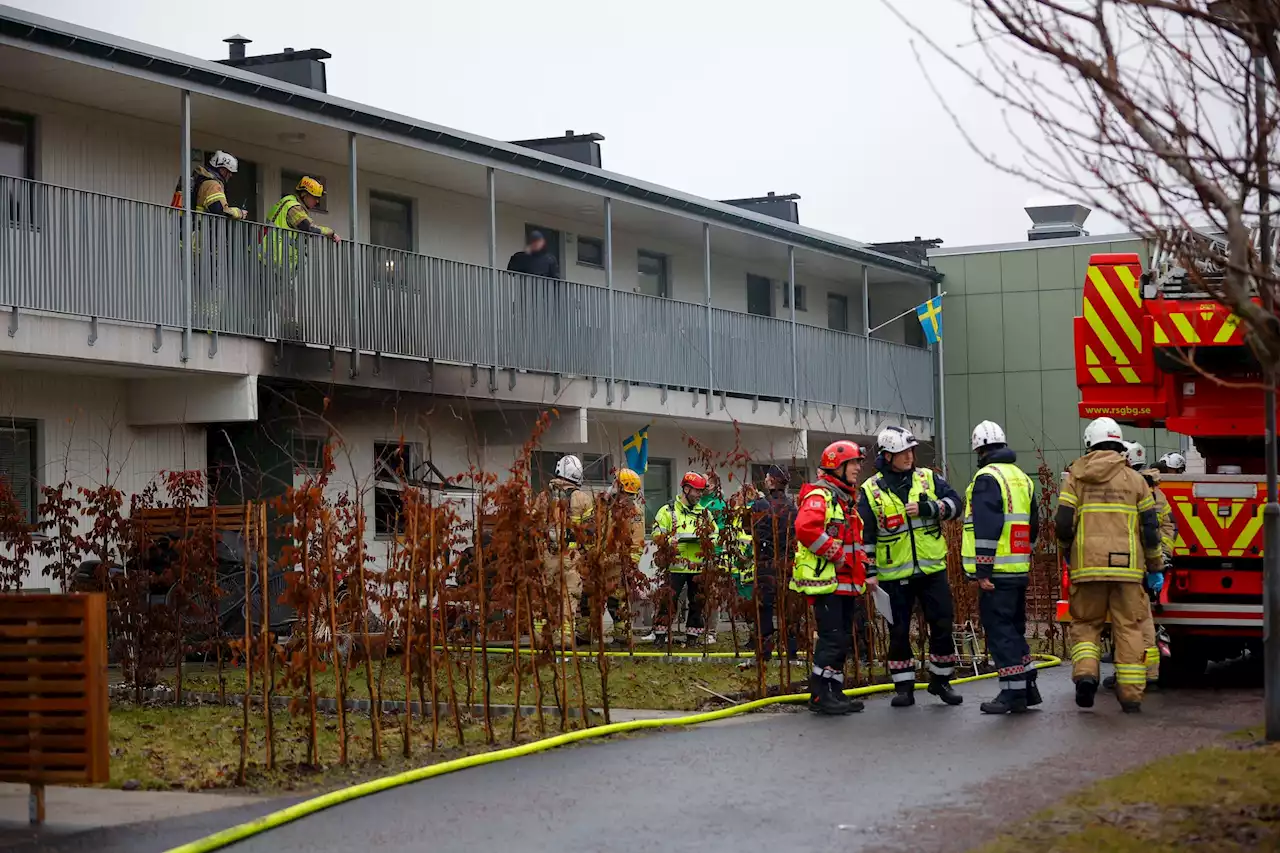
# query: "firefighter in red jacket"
(831, 570)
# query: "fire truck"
(1153, 349)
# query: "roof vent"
(236, 43)
(778, 206)
(1053, 221)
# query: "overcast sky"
(722, 98)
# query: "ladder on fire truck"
(1188, 264)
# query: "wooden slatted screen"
(53, 689)
(158, 520)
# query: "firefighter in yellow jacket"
(691, 528)
(568, 511)
(619, 507)
(1107, 522)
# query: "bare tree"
(1147, 110)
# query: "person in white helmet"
(1107, 524)
(568, 511)
(1172, 462)
(209, 186)
(902, 508)
(1000, 528)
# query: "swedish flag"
(930, 316)
(636, 447)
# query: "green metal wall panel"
(1021, 313)
(1057, 346)
(982, 273)
(1056, 269)
(955, 334)
(986, 333)
(1023, 409)
(1018, 271)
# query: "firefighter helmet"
(988, 432)
(629, 481)
(838, 453)
(570, 468)
(694, 480)
(1174, 461)
(223, 160)
(896, 439)
(1136, 454)
(1102, 431)
(311, 187)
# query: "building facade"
(1009, 354)
(174, 341)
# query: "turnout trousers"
(1003, 611)
(934, 595)
(1130, 612)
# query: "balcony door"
(759, 295)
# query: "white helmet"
(1136, 454)
(895, 439)
(988, 432)
(570, 468)
(1174, 459)
(223, 160)
(1102, 430)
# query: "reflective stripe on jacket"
(1011, 553)
(825, 515)
(1107, 515)
(902, 543)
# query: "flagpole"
(910, 310)
(940, 422)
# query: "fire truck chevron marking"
(1214, 535)
(1158, 333)
(1120, 312)
(1103, 334)
(1229, 326)
(1185, 329)
(1130, 282)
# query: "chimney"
(1053, 221)
(782, 207)
(235, 49)
(579, 147)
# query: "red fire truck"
(1152, 349)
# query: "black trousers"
(934, 596)
(833, 617)
(676, 583)
(766, 592)
(1004, 620)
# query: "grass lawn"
(633, 683)
(198, 748)
(1218, 799)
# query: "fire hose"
(226, 837)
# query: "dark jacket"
(773, 522)
(542, 263)
(988, 509)
(948, 505)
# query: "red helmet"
(694, 480)
(838, 453)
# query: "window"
(17, 146)
(391, 221)
(802, 302)
(651, 274)
(799, 476)
(657, 490)
(590, 251)
(837, 312)
(289, 185)
(18, 463)
(597, 469)
(307, 452)
(395, 466)
(759, 295)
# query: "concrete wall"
(1009, 356)
(84, 148)
(82, 436)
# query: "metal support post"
(354, 249)
(1271, 513)
(940, 421)
(608, 281)
(188, 302)
(866, 332)
(706, 278)
(791, 300)
(491, 183)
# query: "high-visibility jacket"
(904, 544)
(1164, 513)
(742, 559)
(678, 522)
(1011, 553)
(821, 567)
(1107, 517)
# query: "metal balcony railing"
(74, 252)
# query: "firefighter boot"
(940, 686)
(825, 699)
(1033, 691)
(1008, 702)
(904, 694)
(1109, 683)
(1086, 689)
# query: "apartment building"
(141, 340)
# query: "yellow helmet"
(310, 186)
(629, 481)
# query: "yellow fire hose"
(226, 837)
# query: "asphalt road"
(928, 778)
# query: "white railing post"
(608, 280)
(706, 278)
(791, 298)
(356, 267)
(188, 205)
